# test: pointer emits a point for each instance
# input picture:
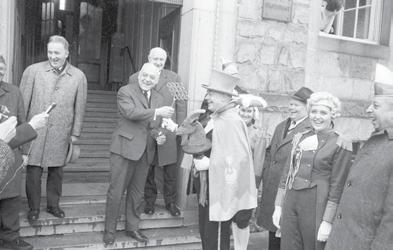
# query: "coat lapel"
(139, 94)
(162, 81)
(299, 128)
(154, 99)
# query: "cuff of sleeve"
(280, 197)
(330, 211)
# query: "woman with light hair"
(313, 179)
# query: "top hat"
(302, 94)
(73, 154)
(222, 83)
(383, 85)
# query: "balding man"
(167, 154)
(133, 148)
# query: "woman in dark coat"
(313, 179)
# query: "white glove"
(169, 124)
(7, 129)
(161, 139)
(39, 121)
(277, 216)
(324, 231)
(25, 160)
(202, 164)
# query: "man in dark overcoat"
(364, 218)
(44, 83)
(168, 153)
(133, 149)
(11, 99)
(276, 156)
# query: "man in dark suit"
(276, 157)
(168, 153)
(133, 148)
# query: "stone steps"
(182, 238)
(81, 218)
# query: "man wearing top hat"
(364, 218)
(276, 157)
(231, 192)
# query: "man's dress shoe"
(17, 244)
(56, 211)
(137, 235)
(108, 238)
(173, 209)
(33, 214)
(149, 210)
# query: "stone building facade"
(275, 58)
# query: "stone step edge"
(157, 238)
(160, 214)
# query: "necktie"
(292, 125)
(146, 94)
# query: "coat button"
(339, 216)
(349, 184)
(57, 88)
(274, 162)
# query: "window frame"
(362, 47)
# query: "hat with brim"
(222, 83)
(193, 137)
(73, 154)
(302, 94)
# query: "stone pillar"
(208, 33)
(195, 63)
(7, 14)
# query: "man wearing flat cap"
(364, 218)
(276, 157)
(231, 193)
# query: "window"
(360, 19)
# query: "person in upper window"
(329, 10)
(313, 178)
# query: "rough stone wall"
(271, 55)
(276, 58)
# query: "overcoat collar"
(163, 79)
(304, 125)
(4, 88)
(67, 70)
(388, 131)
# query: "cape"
(231, 171)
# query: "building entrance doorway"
(109, 40)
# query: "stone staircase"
(84, 189)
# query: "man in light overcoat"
(276, 157)
(44, 83)
(364, 217)
(168, 153)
